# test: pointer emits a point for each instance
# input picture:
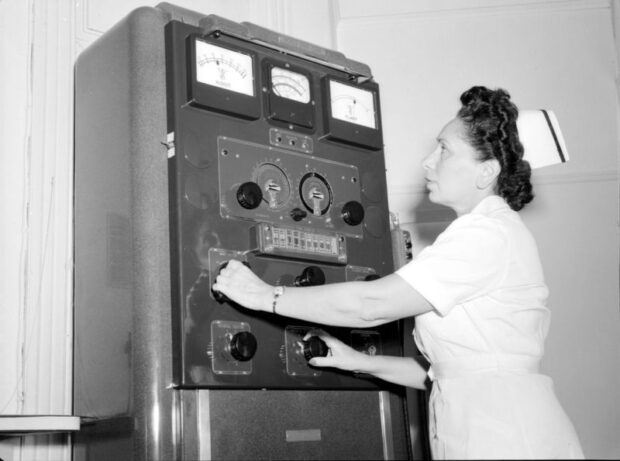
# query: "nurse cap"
(543, 143)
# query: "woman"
(478, 294)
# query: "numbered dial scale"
(352, 112)
(224, 68)
(290, 97)
(352, 104)
(290, 85)
(223, 77)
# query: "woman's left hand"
(339, 356)
(240, 284)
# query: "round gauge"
(290, 85)
(224, 68)
(315, 193)
(274, 184)
(352, 104)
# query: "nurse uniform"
(484, 341)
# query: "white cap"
(543, 143)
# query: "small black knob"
(249, 195)
(310, 276)
(315, 347)
(298, 214)
(353, 213)
(243, 346)
(371, 277)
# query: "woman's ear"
(487, 174)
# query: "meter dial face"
(224, 68)
(290, 85)
(274, 184)
(316, 194)
(352, 104)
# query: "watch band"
(277, 292)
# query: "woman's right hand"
(339, 355)
(240, 284)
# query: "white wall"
(556, 54)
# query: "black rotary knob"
(243, 346)
(315, 347)
(310, 276)
(353, 213)
(249, 195)
(298, 214)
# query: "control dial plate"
(288, 181)
(274, 183)
(315, 193)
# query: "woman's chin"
(432, 197)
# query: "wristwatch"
(277, 292)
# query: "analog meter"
(352, 104)
(290, 85)
(224, 68)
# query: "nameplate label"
(306, 435)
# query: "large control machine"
(199, 140)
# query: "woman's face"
(452, 170)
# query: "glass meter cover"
(224, 68)
(290, 85)
(352, 104)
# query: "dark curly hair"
(490, 118)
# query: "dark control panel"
(276, 161)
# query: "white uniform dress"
(484, 341)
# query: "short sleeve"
(466, 261)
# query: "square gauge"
(224, 68)
(352, 104)
(223, 76)
(290, 98)
(352, 113)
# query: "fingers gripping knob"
(218, 295)
(314, 347)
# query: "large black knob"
(310, 276)
(243, 346)
(353, 213)
(315, 347)
(249, 195)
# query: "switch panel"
(290, 183)
(233, 347)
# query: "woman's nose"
(430, 160)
